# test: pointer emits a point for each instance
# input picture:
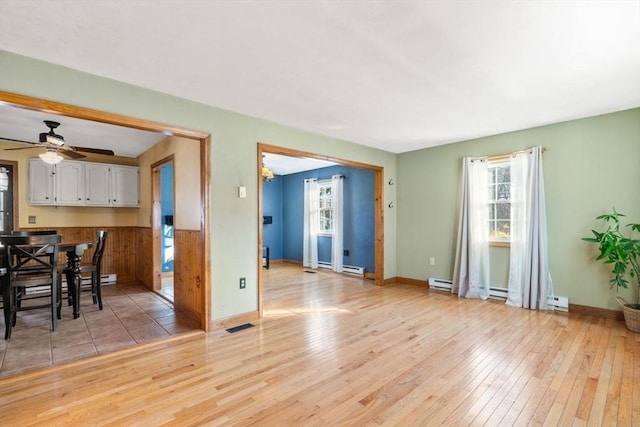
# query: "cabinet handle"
(79, 198)
(88, 198)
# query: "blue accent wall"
(359, 226)
(166, 208)
(272, 206)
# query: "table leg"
(74, 281)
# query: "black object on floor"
(239, 327)
(309, 271)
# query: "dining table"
(74, 251)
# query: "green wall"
(592, 165)
(234, 138)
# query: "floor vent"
(309, 271)
(239, 328)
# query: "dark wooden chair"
(31, 261)
(94, 268)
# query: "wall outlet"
(432, 260)
(243, 282)
(32, 219)
(345, 252)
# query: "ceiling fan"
(54, 143)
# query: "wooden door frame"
(378, 207)
(67, 110)
(14, 189)
(156, 217)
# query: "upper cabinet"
(69, 181)
(96, 182)
(73, 183)
(125, 186)
(41, 181)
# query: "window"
(325, 210)
(499, 201)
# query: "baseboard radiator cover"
(359, 271)
(556, 302)
(105, 279)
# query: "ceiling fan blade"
(22, 148)
(93, 150)
(72, 154)
(20, 140)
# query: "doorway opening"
(8, 186)
(163, 232)
(378, 232)
(196, 267)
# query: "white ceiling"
(26, 125)
(394, 75)
(286, 165)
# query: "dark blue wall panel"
(359, 223)
(272, 206)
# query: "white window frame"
(324, 184)
(494, 164)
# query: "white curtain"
(530, 283)
(310, 224)
(338, 221)
(471, 270)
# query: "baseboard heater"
(557, 302)
(345, 268)
(105, 279)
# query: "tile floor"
(131, 314)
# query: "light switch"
(242, 192)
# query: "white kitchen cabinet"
(97, 184)
(125, 185)
(41, 183)
(73, 183)
(70, 185)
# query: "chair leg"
(94, 285)
(59, 300)
(54, 305)
(99, 291)
(7, 303)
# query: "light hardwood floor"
(334, 350)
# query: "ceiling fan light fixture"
(51, 137)
(57, 140)
(267, 174)
(51, 157)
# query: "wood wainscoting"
(120, 252)
(188, 259)
(187, 281)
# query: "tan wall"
(64, 216)
(186, 155)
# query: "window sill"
(325, 234)
(500, 243)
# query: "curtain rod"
(506, 156)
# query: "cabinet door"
(97, 184)
(69, 183)
(125, 186)
(40, 183)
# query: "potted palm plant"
(623, 253)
